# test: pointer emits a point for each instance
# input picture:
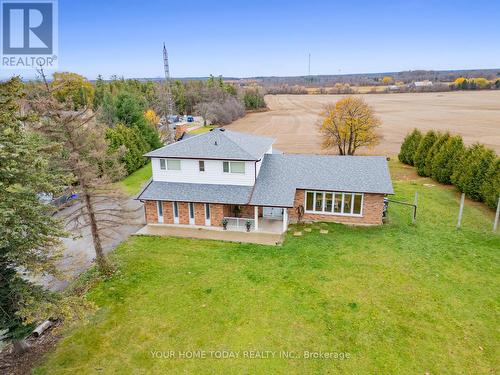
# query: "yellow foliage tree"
(387, 80)
(152, 117)
(459, 81)
(481, 82)
(72, 88)
(348, 124)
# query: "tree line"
(474, 170)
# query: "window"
(162, 164)
(318, 206)
(201, 165)
(233, 166)
(176, 210)
(358, 199)
(328, 202)
(309, 201)
(160, 208)
(334, 203)
(173, 165)
(347, 203)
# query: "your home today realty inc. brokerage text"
(248, 354)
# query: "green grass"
(132, 184)
(202, 129)
(398, 298)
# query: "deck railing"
(239, 223)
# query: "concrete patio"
(213, 233)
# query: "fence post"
(415, 202)
(495, 223)
(462, 199)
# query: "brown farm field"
(293, 119)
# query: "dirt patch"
(293, 119)
(21, 364)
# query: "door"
(191, 213)
(159, 208)
(176, 212)
(272, 212)
(207, 214)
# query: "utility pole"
(309, 67)
(461, 210)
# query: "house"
(238, 177)
(421, 84)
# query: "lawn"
(202, 129)
(395, 299)
(132, 184)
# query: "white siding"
(213, 173)
(259, 163)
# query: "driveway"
(78, 253)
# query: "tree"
(446, 159)
(152, 117)
(409, 147)
(490, 189)
(349, 124)
(99, 91)
(135, 146)
(470, 173)
(422, 150)
(29, 235)
(434, 150)
(253, 99)
(88, 158)
(72, 88)
(387, 80)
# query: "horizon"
(272, 40)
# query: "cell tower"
(168, 93)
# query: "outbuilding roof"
(217, 144)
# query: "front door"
(191, 213)
(272, 212)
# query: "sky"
(250, 38)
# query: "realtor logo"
(29, 33)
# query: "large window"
(163, 165)
(173, 165)
(233, 166)
(334, 203)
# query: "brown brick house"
(224, 176)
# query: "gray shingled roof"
(217, 144)
(280, 175)
(187, 192)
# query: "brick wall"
(217, 213)
(373, 206)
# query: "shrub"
(470, 173)
(490, 190)
(409, 147)
(446, 159)
(423, 149)
(434, 150)
(253, 99)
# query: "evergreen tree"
(423, 149)
(99, 91)
(434, 150)
(409, 147)
(446, 159)
(29, 235)
(490, 190)
(470, 173)
(135, 146)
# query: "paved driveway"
(79, 252)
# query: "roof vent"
(211, 130)
(222, 130)
(215, 143)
